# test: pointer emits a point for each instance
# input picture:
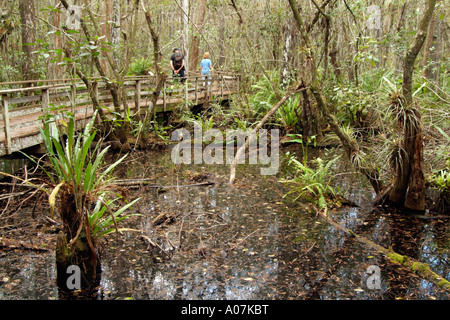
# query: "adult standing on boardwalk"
(177, 64)
(206, 68)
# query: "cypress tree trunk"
(78, 265)
(185, 33)
(285, 67)
(28, 20)
(415, 197)
(82, 282)
(409, 183)
(195, 40)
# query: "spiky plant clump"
(88, 206)
(76, 165)
(396, 107)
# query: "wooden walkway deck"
(25, 104)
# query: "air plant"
(76, 169)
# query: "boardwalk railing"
(25, 104)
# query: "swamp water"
(241, 241)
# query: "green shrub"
(140, 66)
(312, 184)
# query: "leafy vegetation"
(312, 183)
(263, 97)
(76, 165)
(140, 66)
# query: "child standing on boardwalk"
(206, 68)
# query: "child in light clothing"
(206, 68)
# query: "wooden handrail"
(6, 91)
(23, 106)
(127, 78)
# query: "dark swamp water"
(242, 241)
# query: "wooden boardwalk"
(25, 104)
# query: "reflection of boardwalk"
(24, 107)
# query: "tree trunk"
(160, 77)
(414, 49)
(107, 25)
(354, 73)
(310, 119)
(73, 249)
(185, 32)
(402, 162)
(326, 42)
(195, 40)
(55, 70)
(409, 183)
(28, 19)
(115, 29)
(428, 44)
(285, 65)
(222, 53)
(80, 256)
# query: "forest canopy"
(361, 38)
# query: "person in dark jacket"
(177, 64)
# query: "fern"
(312, 183)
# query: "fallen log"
(420, 268)
(11, 244)
(147, 184)
(201, 184)
(133, 182)
(241, 150)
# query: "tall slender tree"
(185, 32)
(28, 21)
(195, 39)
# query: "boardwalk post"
(45, 100)
(207, 89)
(8, 146)
(196, 90)
(73, 94)
(95, 91)
(164, 98)
(221, 85)
(44, 103)
(186, 93)
(210, 87)
(94, 88)
(137, 97)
